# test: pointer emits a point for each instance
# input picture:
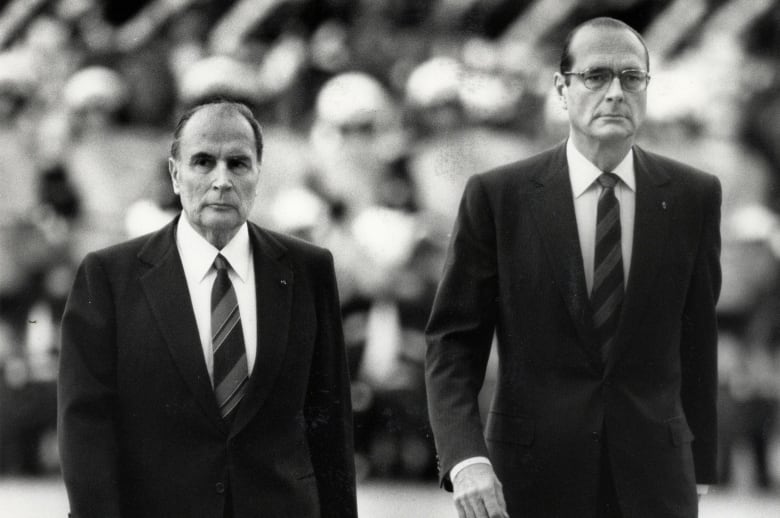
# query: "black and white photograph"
(390, 258)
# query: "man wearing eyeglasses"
(595, 265)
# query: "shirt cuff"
(457, 468)
(702, 489)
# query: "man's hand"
(478, 494)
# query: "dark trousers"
(228, 506)
(607, 503)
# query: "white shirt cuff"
(457, 468)
(702, 489)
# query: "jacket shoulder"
(679, 170)
(521, 173)
(292, 245)
(130, 247)
(120, 256)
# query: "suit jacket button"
(220, 488)
(595, 436)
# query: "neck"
(606, 155)
(219, 239)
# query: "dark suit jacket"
(514, 268)
(140, 433)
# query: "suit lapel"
(166, 287)
(553, 210)
(654, 205)
(274, 286)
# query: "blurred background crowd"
(375, 112)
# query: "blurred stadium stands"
(375, 112)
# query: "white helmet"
(353, 98)
(95, 86)
(434, 82)
(218, 76)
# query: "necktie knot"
(220, 263)
(608, 180)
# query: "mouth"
(220, 206)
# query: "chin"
(222, 223)
(621, 133)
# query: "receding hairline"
(223, 107)
(215, 112)
(603, 22)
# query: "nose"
(615, 89)
(222, 178)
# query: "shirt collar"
(583, 173)
(199, 254)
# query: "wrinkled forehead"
(218, 128)
(607, 47)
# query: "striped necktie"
(607, 293)
(227, 342)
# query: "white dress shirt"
(585, 193)
(197, 258)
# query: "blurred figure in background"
(387, 261)
(38, 266)
(157, 207)
(749, 319)
(111, 163)
(359, 145)
(39, 208)
(18, 99)
(457, 117)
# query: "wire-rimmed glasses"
(631, 79)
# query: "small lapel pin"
(283, 282)
(663, 205)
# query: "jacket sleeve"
(87, 396)
(460, 332)
(328, 407)
(699, 340)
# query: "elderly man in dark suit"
(203, 369)
(596, 267)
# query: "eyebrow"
(239, 156)
(199, 155)
(234, 155)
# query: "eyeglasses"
(631, 79)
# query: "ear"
(559, 81)
(173, 169)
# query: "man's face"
(610, 114)
(217, 171)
